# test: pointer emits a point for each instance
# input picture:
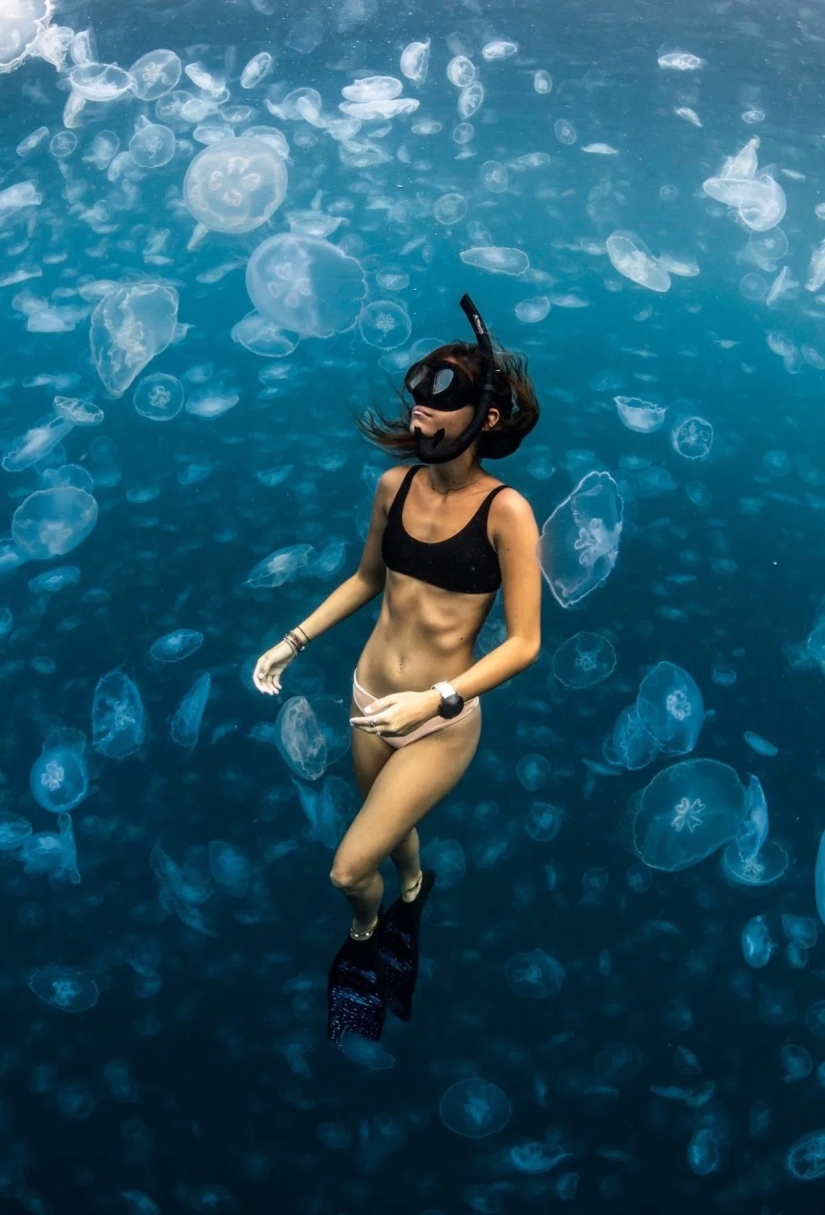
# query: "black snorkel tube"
(432, 449)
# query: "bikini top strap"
(397, 504)
(484, 509)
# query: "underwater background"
(225, 229)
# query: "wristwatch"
(451, 702)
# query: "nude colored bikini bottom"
(363, 698)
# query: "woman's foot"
(408, 893)
(359, 933)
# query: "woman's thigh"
(369, 754)
(409, 783)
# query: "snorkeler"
(444, 536)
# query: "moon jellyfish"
(52, 522)
(59, 780)
(229, 866)
(234, 185)
(174, 647)
(415, 60)
(281, 566)
(631, 257)
(384, 324)
(13, 831)
(159, 397)
(186, 723)
(100, 81)
(533, 771)
(756, 943)
(544, 822)
(475, 1108)
(670, 708)
(22, 26)
(130, 326)
(152, 146)
(580, 541)
(752, 859)
(263, 337)
(118, 716)
(36, 443)
(535, 974)
(760, 745)
(703, 1152)
(805, 1159)
(565, 132)
(692, 438)
(642, 416)
(687, 812)
(55, 854)
(155, 74)
(633, 746)
(309, 736)
(797, 1063)
(306, 285)
(450, 209)
(498, 259)
(68, 990)
(617, 1063)
(584, 660)
(259, 65)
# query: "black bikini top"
(465, 562)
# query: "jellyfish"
(306, 285)
(752, 859)
(631, 257)
(384, 324)
(234, 185)
(670, 707)
(534, 974)
(55, 854)
(155, 74)
(584, 660)
(633, 745)
(186, 723)
(692, 438)
(129, 327)
(153, 146)
(63, 988)
(580, 541)
(642, 416)
(757, 946)
(687, 812)
(118, 716)
(309, 736)
(31, 447)
(229, 866)
(175, 646)
(475, 1108)
(59, 780)
(281, 566)
(805, 1159)
(52, 522)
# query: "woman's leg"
(404, 788)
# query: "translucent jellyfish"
(703, 1152)
(175, 646)
(498, 259)
(258, 67)
(384, 324)
(681, 61)
(22, 24)
(450, 209)
(805, 1159)
(129, 327)
(533, 310)
(56, 855)
(580, 541)
(159, 397)
(631, 257)
(229, 866)
(52, 522)
(101, 81)
(461, 71)
(687, 812)
(55, 580)
(797, 1063)
(565, 132)
(634, 746)
(415, 59)
(534, 974)
(118, 716)
(584, 660)
(306, 285)
(79, 413)
(36, 443)
(68, 990)
(311, 736)
(533, 771)
(760, 745)
(756, 943)
(544, 821)
(752, 859)
(759, 200)
(212, 402)
(152, 146)
(642, 416)
(617, 1063)
(235, 185)
(62, 144)
(16, 197)
(263, 337)
(800, 930)
(542, 81)
(692, 438)
(186, 723)
(281, 566)
(475, 1108)
(155, 74)
(59, 780)
(670, 708)
(13, 831)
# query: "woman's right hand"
(270, 666)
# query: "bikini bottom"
(363, 698)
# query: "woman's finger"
(384, 702)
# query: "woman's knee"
(348, 875)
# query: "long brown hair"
(518, 406)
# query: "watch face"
(451, 706)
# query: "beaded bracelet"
(292, 639)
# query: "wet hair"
(518, 406)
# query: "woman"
(444, 536)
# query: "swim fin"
(356, 989)
(398, 946)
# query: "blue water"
(620, 1001)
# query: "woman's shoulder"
(391, 479)
(509, 508)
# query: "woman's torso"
(426, 632)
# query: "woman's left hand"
(398, 714)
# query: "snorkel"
(432, 449)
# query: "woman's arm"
(516, 535)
